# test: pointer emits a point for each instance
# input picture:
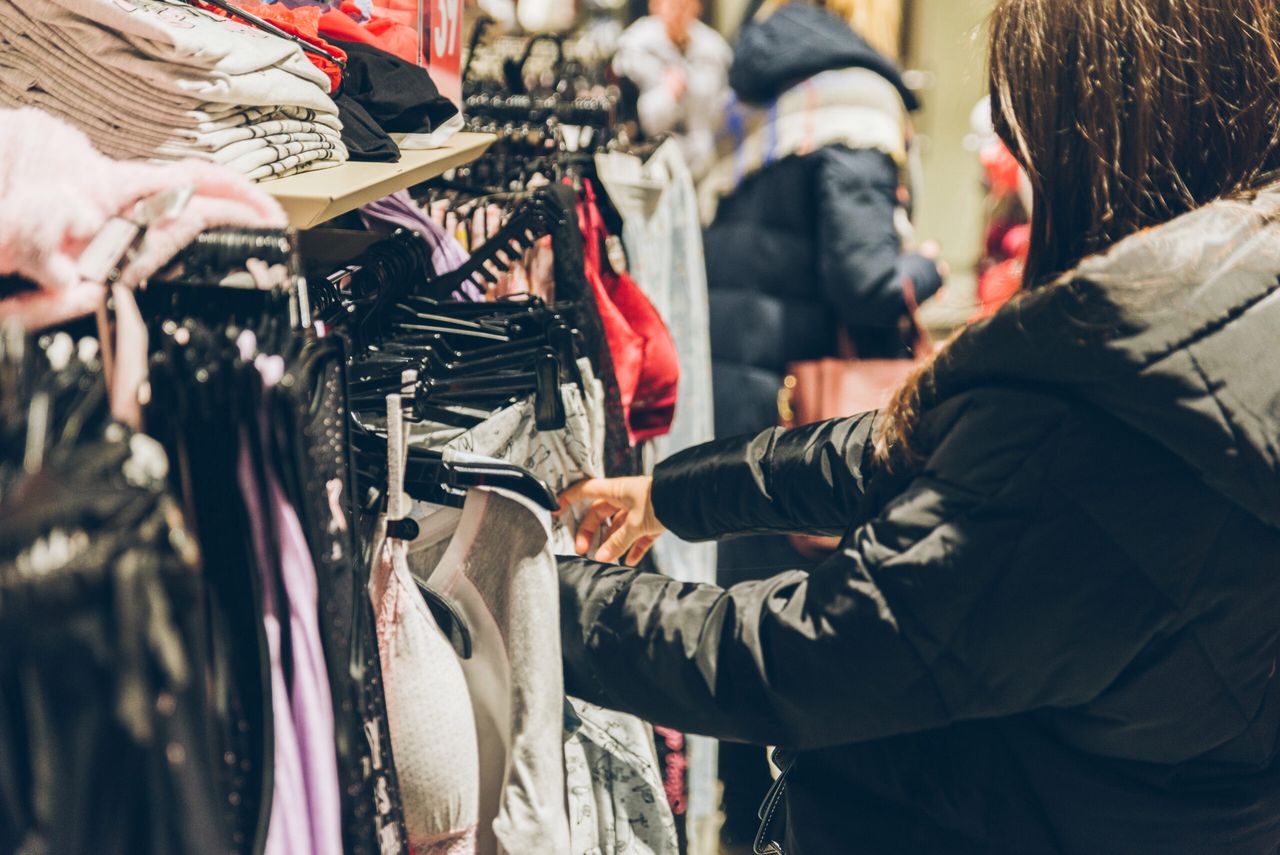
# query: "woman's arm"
(979, 591)
(805, 480)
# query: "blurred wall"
(947, 46)
(726, 15)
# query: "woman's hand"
(623, 507)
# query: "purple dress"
(305, 808)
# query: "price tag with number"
(444, 56)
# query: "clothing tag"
(163, 206)
(108, 247)
(129, 371)
(389, 840)
(382, 797)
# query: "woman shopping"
(1054, 621)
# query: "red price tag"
(445, 56)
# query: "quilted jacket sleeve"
(966, 596)
(862, 263)
(806, 480)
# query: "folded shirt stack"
(160, 79)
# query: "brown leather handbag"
(840, 386)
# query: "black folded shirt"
(364, 137)
(398, 95)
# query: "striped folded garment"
(164, 80)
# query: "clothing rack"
(303, 422)
(568, 89)
(531, 109)
(201, 426)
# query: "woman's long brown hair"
(1125, 114)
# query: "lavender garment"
(290, 824)
(312, 701)
(306, 810)
(399, 211)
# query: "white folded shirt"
(171, 31)
(277, 159)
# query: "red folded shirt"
(303, 22)
(383, 33)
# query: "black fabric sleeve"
(808, 479)
(978, 592)
(861, 260)
(923, 274)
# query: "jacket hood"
(795, 43)
(1174, 331)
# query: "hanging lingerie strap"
(399, 526)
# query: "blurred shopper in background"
(807, 202)
(809, 239)
(680, 66)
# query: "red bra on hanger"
(644, 355)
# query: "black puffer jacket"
(1057, 634)
(808, 241)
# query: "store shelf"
(312, 198)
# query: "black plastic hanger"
(378, 280)
(516, 371)
(531, 221)
(429, 477)
(513, 69)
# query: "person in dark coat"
(1053, 625)
(807, 196)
